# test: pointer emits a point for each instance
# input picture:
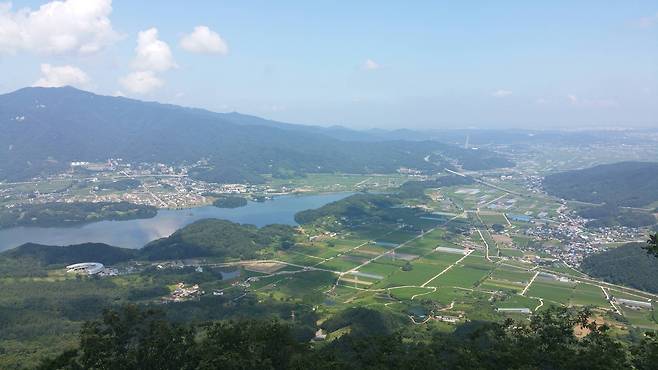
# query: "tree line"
(135, 338)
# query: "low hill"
(609, 216)
(31, 259)
(65, 255)
(628, 265)
(355, 207)
(218, 238)
(631, 184)
(230, 202)
(44, 129)
(71, 214)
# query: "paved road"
(447, 268)
(530, 283)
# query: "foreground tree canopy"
(652, 245)
(132, 338)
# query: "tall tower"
(466, 143)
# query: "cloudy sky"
(390, 64)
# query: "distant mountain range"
(44, 129)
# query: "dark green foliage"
(632, 184)
(248, 344)
(138, 339)
(134, 339)
(71, 214)
(498, 228)
(355, 207)
(222, 174)
(56, 255)
(645, 354)
(547, 342)
(609, 215)
(628, 265)
(43, 317)
(33, 259)
(230, 202)
(364, 322)
(139, 293)
(652, 245)
(218, 238)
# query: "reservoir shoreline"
(136, 233)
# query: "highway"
(486, 183)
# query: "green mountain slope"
(628, 265)
(46, 128)
(218, 238)
(632, 184)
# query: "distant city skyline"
(365, 64)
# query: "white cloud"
(204, 40)
(501, 93)
(370, 65)
(153, 54)
(648, 22)
(57, 27)
(56, 76)
(141, 82)
(593, 103)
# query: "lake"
(136, 233)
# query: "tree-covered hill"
(632, 184)
(230, 202)
(46, 128)
(204, 238)
(71, 214)
(218, 238)
(86, 252)
(628, 265)
(609, 216)
(355, 207)
(32, 259)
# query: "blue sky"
(389, 64)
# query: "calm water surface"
(136, 233)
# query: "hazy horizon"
(359, 65)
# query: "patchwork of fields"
(435, 271)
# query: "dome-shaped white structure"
(89, 268)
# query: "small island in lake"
(230, 202)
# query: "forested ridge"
(34, 259)
(632, 184)
(628, 264)
(61, 125)
(218, 238)
(609, 215)
(71, 214)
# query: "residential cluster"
(184, 293)
(153, 184)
